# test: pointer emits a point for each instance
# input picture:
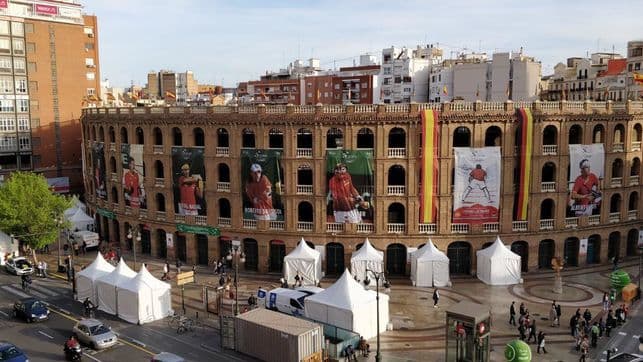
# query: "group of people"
(363, 347)
(527, 326)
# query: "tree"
(28, 209)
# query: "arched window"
(124, 138)
(101, 134)
(112, 134)
(225, 210)
(396, 214)
(158, 136)
(550, 135)
(636, 167)
(547, 211)
(93, 131)
(247, 138)
(493, 137)
(365, 139)
(397, 138)
(614, 245)
(334, 258)
(575, 135)
(637, 134)
(304, 178)
(160, 202)
(251, 249)
(633, 204)
(396, 259)
(334, 138)
(199, 137)
(177, 137)
(224, 172)
(619, 132)
(114, 195)
(521, 248)
(159, 172)
(276, 138)
(223, 138)
(546, 251)
(112, 165)
(615, 203)
(598, 135)
(140, 136)
(549, 172)
(396, 180)
(161, 243)
(462, 137)
(594, 249)
(570, 252)
(304, 139)
(617, 168)
(305, 212)
(632, 242)
(459, 254)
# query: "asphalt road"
(624, 338)
(43, 341)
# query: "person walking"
(84, 250)
(584, 349)
(512, 314)
(522, 308)
(573, 321)
(606, 302)
(44, 269)
(610, 323)
(595, 331)
(553, 317)
(532, 331)
(541, 343)
(178, 266)
(166, 270)
(521, 331)
(436, 298)
(559, 313)
(587, 315)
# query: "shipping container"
(272, 336)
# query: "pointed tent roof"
(144, 279)
(345, 293)
(303, 251)
(121, 273)
(430, 252)
(79, 216)
(97, 268)
(71, 211)
(498, 249)
(4, 237)
(367, 252)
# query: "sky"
(225, 42)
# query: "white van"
(289, 301)
(90, 238)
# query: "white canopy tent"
(303, 260)
(429, 267)
(497, 265)
(80, 221)
(86, 278)
(346, 304)
(367, 257)
(107, 286)
(7, 246)
(144, 298)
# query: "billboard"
(261, 173)
(188, 177)
(98, 158)
(476, 185)
(350, 186)
(586, 164)
(133, 176)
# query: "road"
(624, 338)
(44, 341)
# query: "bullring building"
(549, 178)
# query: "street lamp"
(387, 288)
(59, 223)
(239, 257)
(134, 235)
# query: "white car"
(94, 333)
(18, 266)
(289, 301)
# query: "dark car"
(11, 353)
(31, 310)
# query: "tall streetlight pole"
(239, 256)
(387, 288)
(134, 235)
(59, 223)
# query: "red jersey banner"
(476, 191)
(586, 164)
(133, 176)
(188, 173)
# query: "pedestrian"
(84, 250)
(512, 314)
(541, 342)
(166, 269)
(194, 272)
(601, 326)
(297, 280)
(584, 349)
(587, 315)
(595, 332)
(609, 323)
(436, 297)
(47, 249)
(573, 321)
(178, 265)
(44, 269)
(606, 302)
(579, 341)
(76, 249)
(559, 313)
(532, 331)
(578, 315)
(362, 346)
(39, 267)
(615, 260)
(522, 308)
(521, 331)
(553, 317)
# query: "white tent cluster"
(306, 262)
(78, 217)
(86, 278)
(497, 265)
(430, 267)
(107, 286)
(367, 257)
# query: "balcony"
(276, 225)
(365, 228)
(571, 222)
(115, 206)
(491, 227)
(201, 220)
(223, 186)
(547, 224)
(334, 227)
(112, 147)
(113, 177)
(634, 180)
(249, 224)
(519, 225)
(159, 182)
(394, 228)
(632, 215)
(593, 219)
(142, 213)
(614, 217)
(397, 152)
(548, 186)
(128, 210)
(180, 219)
(618, 147)
(161, 216)
(304, 226)
(396, 190)
(459, 228)
(428, 228)
(616, 182)
(225, 221)
(550, 150)
(223, 151)
(305, 189)
(305, 152)
(636, 145)
(157, 149)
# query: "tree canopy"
(29, 209)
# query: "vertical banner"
(261, 173)
(188, 171)
(133, 176)
(586, 164)
(582, 248)
(98, 156)
(476, 191)
(526, 144)
(350, 186)
(429, 177)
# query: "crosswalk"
(39, 289)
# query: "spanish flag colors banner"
(526, 149)
(430, 153)
(638, 78)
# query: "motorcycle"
(74, 353)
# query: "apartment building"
(575, 80)
(170, 86)
(634, 65)
(49, 69)
(404, 75)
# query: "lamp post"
(59, 223)
(134, 235)
(239, 256)
(387, 288)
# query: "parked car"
(94, 333)
(167, 357)
(289, 301)
(11, 353)
(31, 310)
(18, 266)
(626, 357)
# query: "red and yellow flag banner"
(638, 78)
(430, 153)
(526, 149)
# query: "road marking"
(15, 291)
(6, 315)
(64, 315)
(45, 334)
(44, 290)
(635, 336)
(37, 294)
(622, 333)
(138, 342)
(91, 357)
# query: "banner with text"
(350, 186)
(476, 191)
(188, 175)
(261, 172)
(98, 160)
(133, 176)
(586, 165)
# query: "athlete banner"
(350, 186)
(586, 165)
(261, 174)
(133, 176)
(429, 176)
(476, 191)
(98, 158)
(188, 174)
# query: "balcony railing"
(632, 214)
(249, 224)
(305, 189)
(428, 228)
(159, 182)
(365, 228)
(616, 182)
(490, 227)
(634, 180)
(113, 176)
(593, 219)
(161, 216)
(116, 206)
(396, 190)
(636, 145)
(180, 219)
(571, 222)
(223, 151)
(225, 221)
(395, 228)
(157, 149)
(276, 225)
(519, 225)
(201, 220)
(305, 226)
(460, 228)
(305, 152)
(128, 210)
(142, 213)
(397, 152)
(550, 150)
(618, 147)
(334, 227)
(548, 186)
(614, 217)
(223, 186)
(112, 147)
(547, 224)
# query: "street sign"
(185, 278)
(196, 229)
(108, 214)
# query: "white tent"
(86, 278)
(107, 286)
(144, 299)
(303, 260)
(367, 257)
(80, 221)
(7, 246)
(429, 267)
(346, 304)
(497, 265)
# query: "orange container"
(629, 292)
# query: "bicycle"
(174, 321)
(185, 324)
